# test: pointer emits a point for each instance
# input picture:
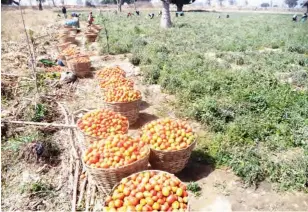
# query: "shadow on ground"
(143, 119)
(199, 166)
(144, 105)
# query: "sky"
(280, 3)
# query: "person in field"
(64, 12)
(304, 17)
(137, 13)
(129, 15)
(90, 19)
(294, 18)
(151, 15)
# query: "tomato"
(176, 205)
(165, 191)
(170, 199)
(156, 206)
(133, 201)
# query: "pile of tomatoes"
(70, 51)
(148, 191)
(116, 81)
(102, 123)
(122, 94)
(167, 134)
(109, 72)
(115, 151)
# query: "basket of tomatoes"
(63, 46)
(171, 142)
(123, 100)
(91, 36)
(64, 38)
(150, 190)
(113, 158)
(101, 123)
(80, 65)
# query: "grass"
(194, 188)
(245, 78)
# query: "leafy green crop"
(241, 77)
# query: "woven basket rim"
(63, 44)
(115, 103)
(91, 34)
(149, 170)
(121, 167)
(173, 151)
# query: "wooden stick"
(82, 190)
(40, 124)
(32, 55)
(76, 176)
(88, 196)
(70, 131)
(92, 195)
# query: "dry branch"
(82, 190)
(76, 177)
(70, 131)
(39, 124)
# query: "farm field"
(241, 82)
(244, 78)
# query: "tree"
(180, 3)
(209, 2)
(79, 2)
(165, 21)
(40, 4)
(220, 2)
(306, 5)
(246, 2)
(119, 3)
(265, 5)
(232, 2)
(291, 3)
(53, 2)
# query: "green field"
(244, 78)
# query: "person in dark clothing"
(294, 18)
(137, 13)
(59, 62)
(151, 15)
(64, 12)
(304, 17)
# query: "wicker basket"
(67, 38)
(156, 171)
(106, 179)
(91, 37)
(171, 161)
(128, 109)
(65, 31)
(81, 69)
(63, 46)
(97, 27)
(73, 31)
